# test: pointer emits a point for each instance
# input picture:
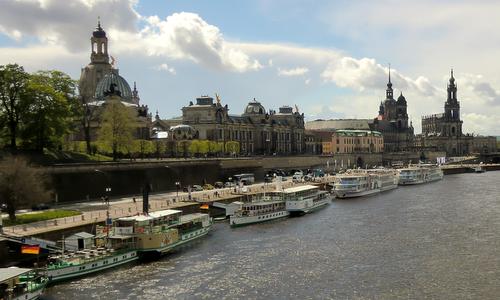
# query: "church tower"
(98, 67)
(99, 44)
(453, 124)
(389, 103)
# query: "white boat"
(419, 174)
(386, 179)
(305, 199)
(479, 169)
(74, 264)
(261, 208)
(21, 284)
(357, 183)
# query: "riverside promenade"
(96, 211)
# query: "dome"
(401, 99)
(113, 84)
(255, 108)
(99, 32)
(182, 132)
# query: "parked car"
(295, 171)
(208, 186)
(229, 184)
(197, 188)
(318, 173)
(219, 185)
(297, 177)
(268, 178)
(40, 206)
(308, 177)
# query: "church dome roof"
(182, 132)
(255, 108)
(99, 32)
(113, 84)
(401, 99)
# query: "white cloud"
(366, 73)
(299, 71)
(187, 36)
(65, 24)
(167, 68)
(63, 32)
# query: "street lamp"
(107, 188)
(107, 191)
(178, 186)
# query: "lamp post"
(177, 183)
(107, 191)
(177, 186)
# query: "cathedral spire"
(389, 91)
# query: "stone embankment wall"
(76, 182)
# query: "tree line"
(37, 110)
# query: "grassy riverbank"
(40, 216)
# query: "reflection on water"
(439, 240)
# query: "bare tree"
(21, 185)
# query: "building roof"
(83, 235)
(113, 84)
(8, 273)
(152, 216)
(357, 133)
(255, 108)
(338, 124)
(299, 189)
(191, 217)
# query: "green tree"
(204, 147)
(21, 185)
(49, 113)
(118, 124)
(13, 82)
(159, 147)
(194, 147)
(233, 147)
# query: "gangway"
(44, 244)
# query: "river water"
(435, 241)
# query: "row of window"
(270, 216)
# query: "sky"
(330, 58)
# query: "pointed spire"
(389, 73)
(99, 22)
(135, 87)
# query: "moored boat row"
(127, 240)
(279, 204)
(357, 183)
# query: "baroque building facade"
(354, 141)
(100, 83)
(258, 131)
(392, 121)
(443, 132)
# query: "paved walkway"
(97, 211)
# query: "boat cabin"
(79, 241)
(151, 223)
(15, 283)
